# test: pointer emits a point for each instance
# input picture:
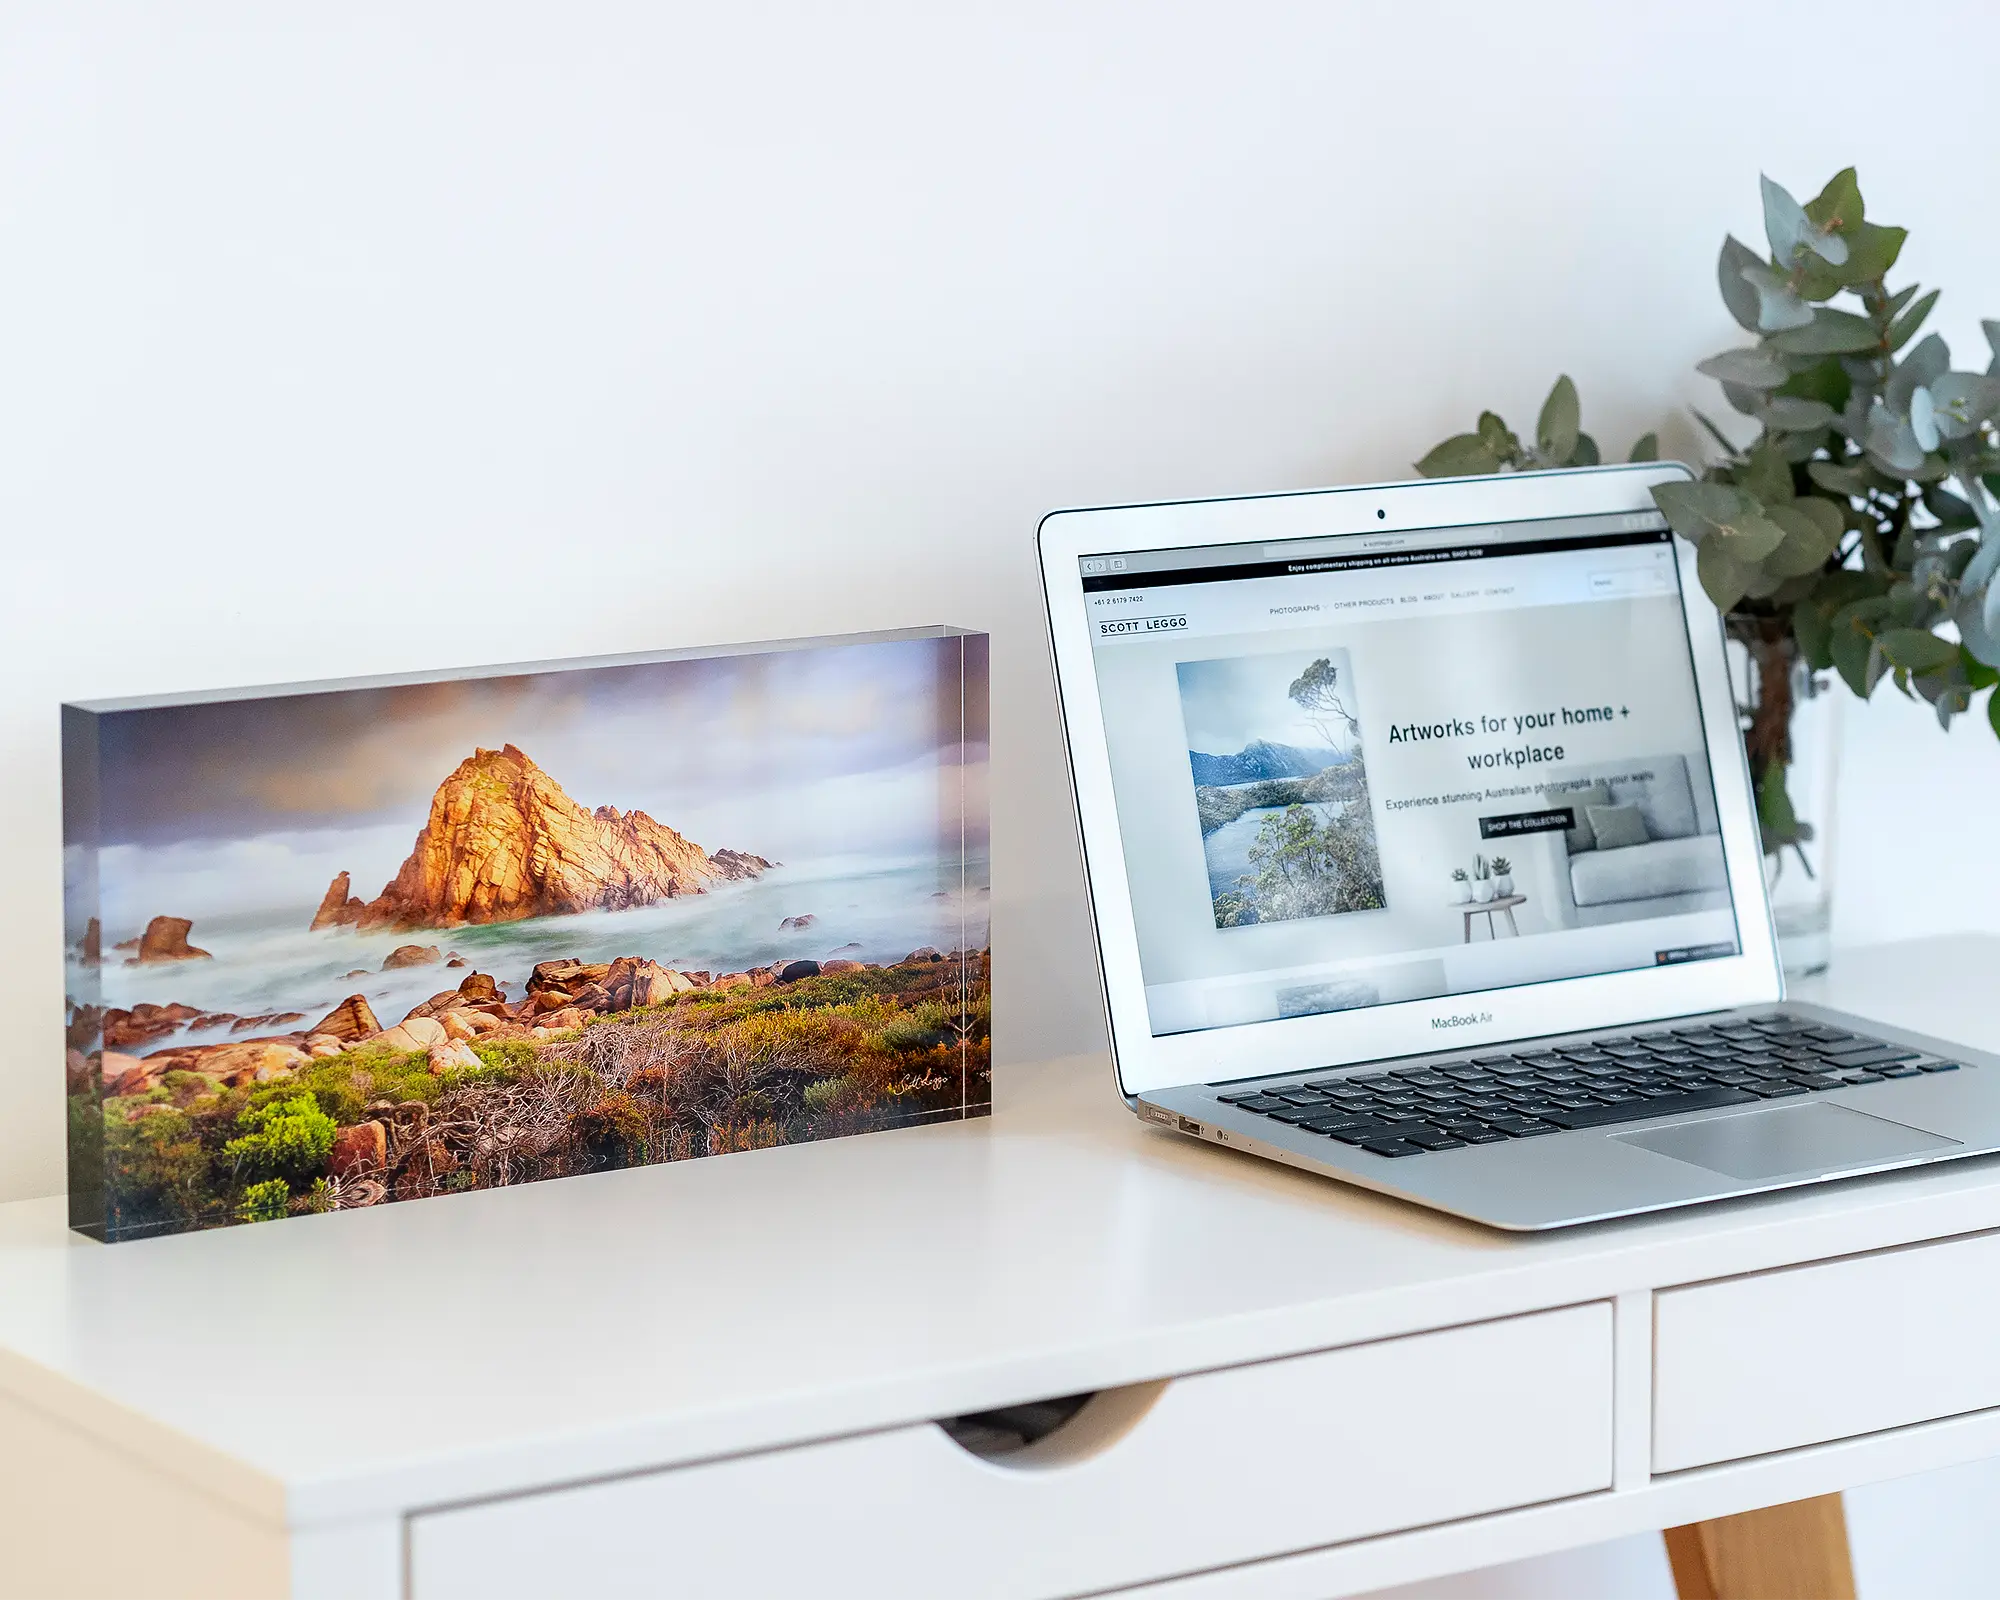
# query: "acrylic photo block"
(348, 944)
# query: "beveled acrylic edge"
(513, 669)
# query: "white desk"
(719, 1377)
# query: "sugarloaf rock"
(503, 842)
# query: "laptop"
(1422, 854)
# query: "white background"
(409, 336)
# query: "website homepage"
(1362, 770)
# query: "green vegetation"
(1857, 530)
(282, 1139)
(1304, 867)
(705, 1073)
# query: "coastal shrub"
(160, 1172)
(266, 1201)
(287, 1138)
(923, 1026)
(612, 1133)
(509, 1055)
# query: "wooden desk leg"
(1789, 1552)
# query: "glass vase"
(1791, 729)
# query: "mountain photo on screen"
(1280, 787)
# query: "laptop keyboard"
(1486, 1099)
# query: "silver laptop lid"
(1370, 772)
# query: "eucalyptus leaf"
(1915, 650)
(1851, 642)
(1497, 437)
(1924, 365)
(1830, 333)
(1696, 510)
(1464, 455)
(1790, 230)
(1871, 252)
(1961, 401)
(1586, 453)
(1748, 401)
(1923, 419)
(1722, 579)
(1647, 449)
(1836, 480)
(1738, 294)
(1809, 542)
(1792, 415)
(1904, 328)
(1838, 207)
(1981, 641)
(1555, 429)
(1992, 331)
(1749, 369)
(1779, 305)
(1979, 571)
(1891, 444)
(1767, 476)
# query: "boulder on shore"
(413, 1033)
(792, 971)
(166, 939)
(448, 1054)
(358, 1149)
(412, 955)
(479, 988)
(350, 1020)
(841, 966)
(805, 921)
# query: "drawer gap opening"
(1054, 1432)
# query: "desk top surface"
(468, 1346)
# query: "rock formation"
(90, 948)
(351, 1019)
(166, 939)
(339, 907)
(412, 955)
(503, 842)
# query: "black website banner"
(1310, 566)
(1513, 824)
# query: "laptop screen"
(1375, 768)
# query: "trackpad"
(1787, 1140)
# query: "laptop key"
(1935, 1066)
(1523, 1127)
(1899, 1072)
(1635, 1111)
(1869, 1056)
(1775, 1091)
(1390, 1147)
(1435, 1141)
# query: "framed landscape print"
(345, 945)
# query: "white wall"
(392, 336)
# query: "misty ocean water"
(266, 962)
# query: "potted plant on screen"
(1482, 881)
(1503, 877)
(1851, 538)
(1461, 887)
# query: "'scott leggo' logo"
(1462, 1019)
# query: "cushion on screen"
(1618, 827)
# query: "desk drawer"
(1828, 1351)
(1208, 1469)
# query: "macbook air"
(1422, 854)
